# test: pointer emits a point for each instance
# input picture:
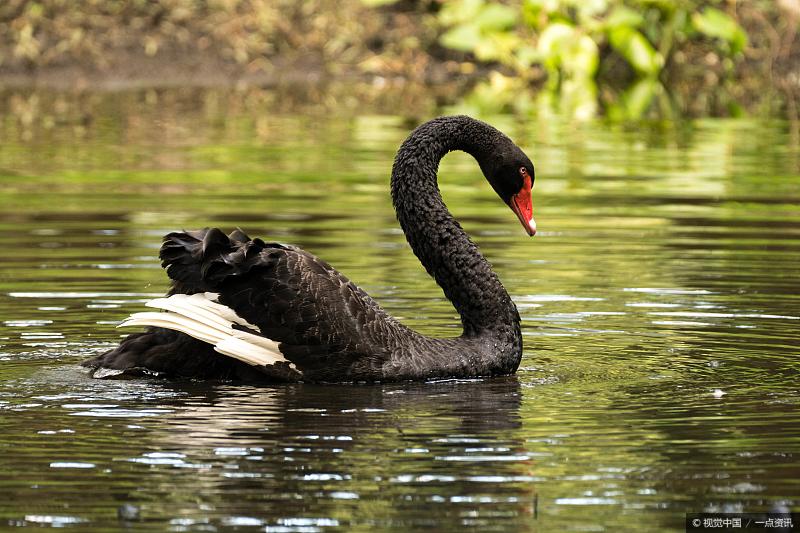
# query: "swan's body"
(244, 308)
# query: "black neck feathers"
(447, 253)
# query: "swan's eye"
(523, 171)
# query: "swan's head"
(510, 173)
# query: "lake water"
(660, 305)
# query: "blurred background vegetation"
(624, 59)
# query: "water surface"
(660, 305)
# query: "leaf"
(535, 12)
(636, 50)
(582, 56)
(498, 46)
(547, 6)
(562, 46)
(624, 16)
(464, 37)
(459, 11)
(526, 55)
(590, 8)
(715, 23)
(551, 41)
(496, 17)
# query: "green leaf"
(464, 37)
(715, 23)
(542, 5)
(562, 46)
(624, 16)
(498, 46)
(636, 50)
(459, 11)
(526, 55)
(489, 49)
(581, 57)
(532, 11)
(590, 8)
(551, 42)
(496, 17)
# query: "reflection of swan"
(250, 416)
(293, 317)
(200, 451)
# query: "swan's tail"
(197, 261)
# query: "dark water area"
(660, 306)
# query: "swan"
(242, 308)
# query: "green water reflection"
(660, 306)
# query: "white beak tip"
(531, 227)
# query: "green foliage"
(636, 49)
(572, 38)
(563, 47)
(715, 23)
(482, 28)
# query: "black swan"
(242, 308)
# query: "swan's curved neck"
(436, 237)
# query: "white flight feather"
(205, 301)
(201, 317)
(173, 321)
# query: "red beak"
(522, 204)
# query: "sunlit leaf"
(624, 16)
(562, 46)
(464, 37)
(636, 49)
(552, 41)
(582, 56)
(497, 46)
(533, 11)
(458, 11)
(715, 23)
(543, 5)
(526, 55)
(496, 17)
(591, 8)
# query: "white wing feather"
(202, 317)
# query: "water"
(660, 305)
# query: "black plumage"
(326, 327)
